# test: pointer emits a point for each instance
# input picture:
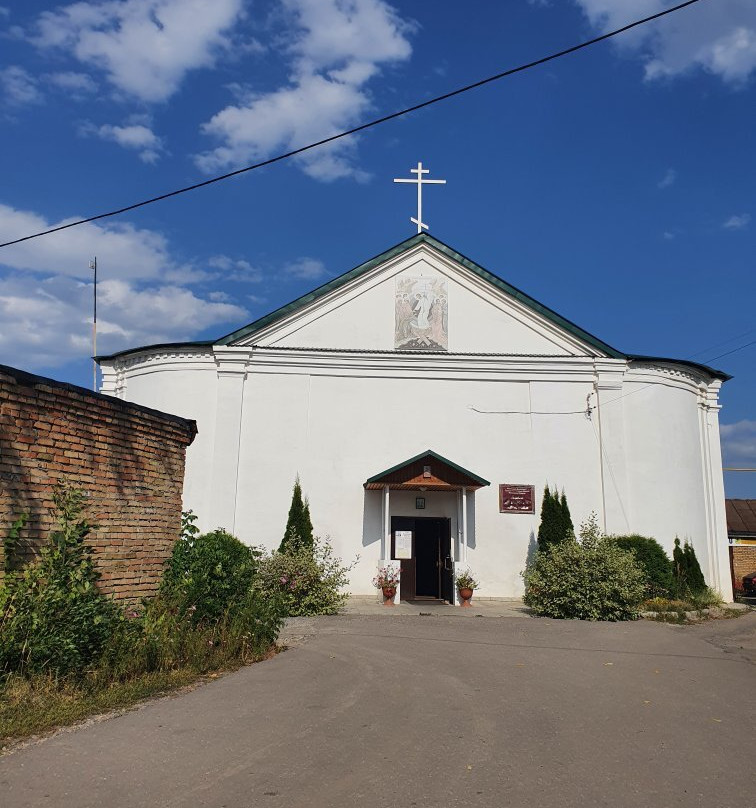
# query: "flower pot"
(389, 593)
(465, 595)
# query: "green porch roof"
(376, 478)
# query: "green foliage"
(207, 575)
(653, 560)
(466, 580)
(590, 579)
(188, 529)
(307, 581)
(556, 523)
(568, 529)
(688, 577)
(53, 617)
(11, 543)
(298, 534)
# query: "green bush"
(161, 638)
(52, 616)
(590, 579)
(208, 575)
(307, 582)
(653, 560)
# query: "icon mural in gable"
(422, 315)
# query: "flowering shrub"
(306, 581)
(387, 577)
(465, 580)
(590, 579)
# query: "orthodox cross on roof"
(420, 182)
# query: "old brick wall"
(742, 561)
(129, 460)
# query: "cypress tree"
(696, 581)
(568, 529)
(679, 568)
(550, 531)
(298, 533)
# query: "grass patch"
(32, 705)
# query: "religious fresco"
(422, 315)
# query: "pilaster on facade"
(609, 423)
(232, 364)
(718, 566)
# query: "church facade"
(424, 404)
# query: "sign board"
(402, 544)
(516, 498)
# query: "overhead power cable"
(361, 127)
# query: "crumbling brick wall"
(128, 460)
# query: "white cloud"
(75, 84)
(48, 322)
(235, 269)
(128, 252)
(4, 12)
(18, 86)
(668, 235)
(739, 443)
(145, 47)
(135, 136)
(668, 179)
(335, 48)
(719, 37)
(737, 221)
(305, 268)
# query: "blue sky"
(615, 185)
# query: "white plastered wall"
(646, 460)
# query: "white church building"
(424, 403)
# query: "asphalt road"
(432, 711)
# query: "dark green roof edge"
(449, 252)
(717, 374)
(427, 453)
(127, 351)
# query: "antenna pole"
(93, 267)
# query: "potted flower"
(466, 585)
(387, 580)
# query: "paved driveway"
(432, 711)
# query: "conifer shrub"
(589, 579)
(653, 560)
(556, 523)
(298, 533)
(208, 574)
(53, 618)
(688, 578)
(307, 581)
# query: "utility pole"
(93, 267)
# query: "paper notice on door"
(402, 544)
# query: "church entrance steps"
(481, 607)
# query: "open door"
(447, 563)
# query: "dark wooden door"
(447, 564)
(428, 558)
(407, 565)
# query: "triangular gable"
(244, 334)
(427, 471)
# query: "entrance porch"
(426, 523)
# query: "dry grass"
(41, 703)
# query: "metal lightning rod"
(93, 266)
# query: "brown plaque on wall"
(516, 498)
